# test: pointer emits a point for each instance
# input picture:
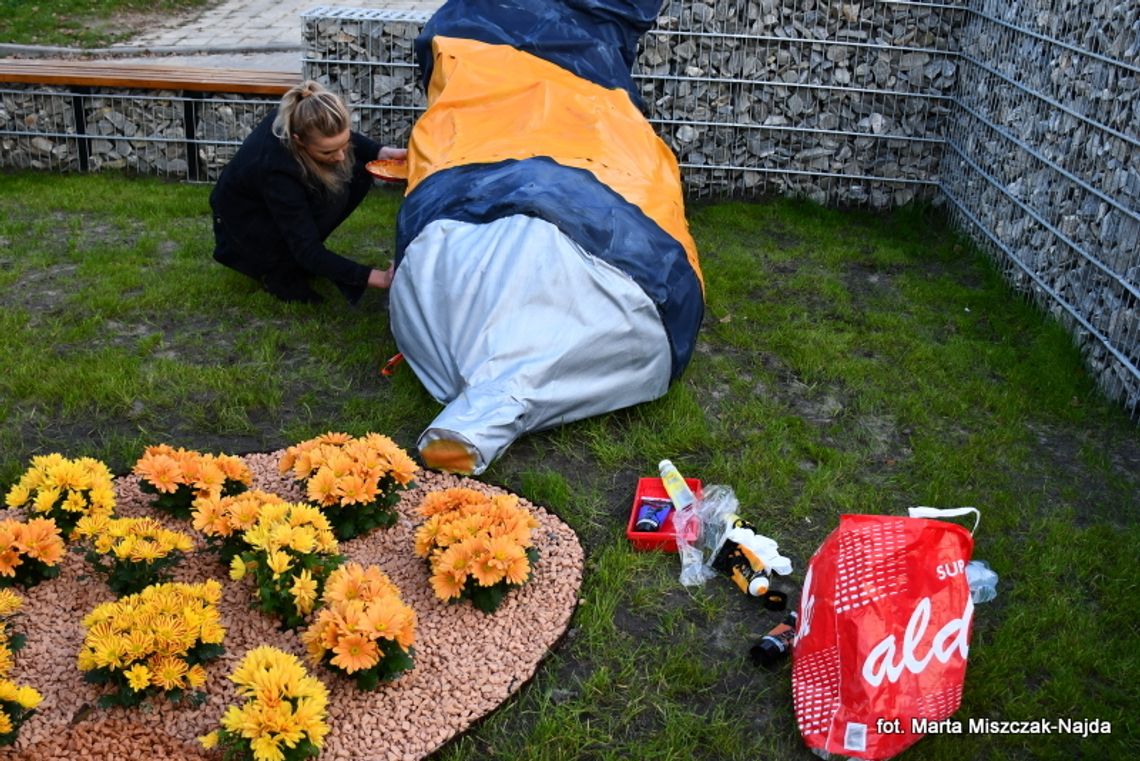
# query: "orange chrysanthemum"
(355, 652)
(41, 540)
(162, 471)
(470, 535)
(10, 560)
(353, 490)
(322, 487)
(448, 584)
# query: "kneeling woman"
(298, 175)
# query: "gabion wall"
(165, 133)
(841, 102)
(844, 103)
(1042, 166)
(367, 57)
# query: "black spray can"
(774, 646)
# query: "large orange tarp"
(489, 103)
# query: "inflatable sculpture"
(544, 268)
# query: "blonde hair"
(307, 110)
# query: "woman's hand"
(397, 154)
(382, 278)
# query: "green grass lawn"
(84, 23)
(848, 362)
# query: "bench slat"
(146, 77)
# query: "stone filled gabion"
(368, 58)
(221, 123)
(143, 131)
(1044, 167)
(34, 125)
(139, 130)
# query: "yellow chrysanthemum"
(138, 677)
(18, 496)
(267, 748)
(10, 602)
(28, 697)
(237, 568)
(45, 500)
(304, 591)
(196, 676)
(279, 562)
(168, 672)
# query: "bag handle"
(946, 512)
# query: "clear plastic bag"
(983, 581)
(700, 529)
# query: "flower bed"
(466, 662)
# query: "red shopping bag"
(884, 632)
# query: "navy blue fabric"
(584, 209)
(594, 39)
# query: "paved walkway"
(252, 34)
(253, 24)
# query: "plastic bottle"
(748, 573)
(776, 644)
(740, 564)
(983, 581)
(675, 485)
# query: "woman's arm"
(288, 204)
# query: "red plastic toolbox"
(665, 538)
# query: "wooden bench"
(126, 74)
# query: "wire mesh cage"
(1042, 166)
(366, 56)
(172, 134)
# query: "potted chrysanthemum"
(290, 552)
(132, 553)
(355, 481)
(153, 643)
(17, 702)
(223, 520)
(64, 490)
(176, 477)
(30, 551)
(364, 629)
(478, 546)
(17, 705)
(284, 715)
